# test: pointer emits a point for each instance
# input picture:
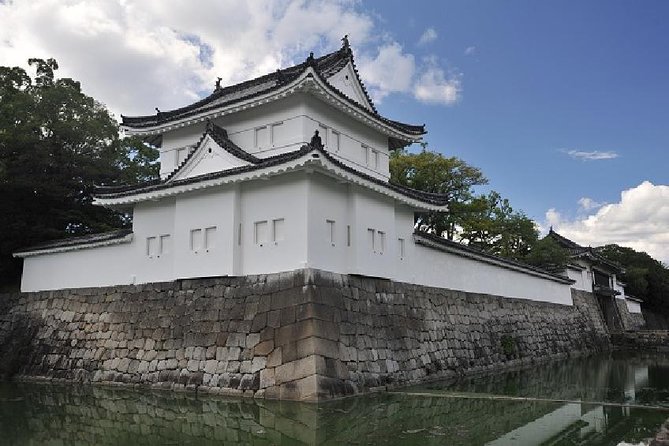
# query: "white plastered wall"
(93, 267)
(633, 306)
(273, 216)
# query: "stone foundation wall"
(630, 321)
(302, 335)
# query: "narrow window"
(260, 232)
(400, 247)
(348, 235)
(164, 247)
(370, 238)
(261, 137)
(381, 246)
(335, 141)
(196, 239)
(323, 133)
(151, 246)
(209, 238)
(239, 235)
(365, 154)
(375, 159)
(331, 231)
(275, 131)
(278, 230)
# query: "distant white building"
(593, 273)
(286, 171)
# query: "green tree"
(432, 172)
(492, 225)
(55, 144)
(645, 277)
(549, 255)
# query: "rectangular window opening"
(365, 154)
(381, 245)
(164, 245)
(278, 230)
(323, 133)
(151, 246)
(335, 141)
(400, 247)
(274, 133)
(371, 235)
(260, 232)
(348, 235)
(196, 239)
(331, 231)
(261, 139)
(209, 238)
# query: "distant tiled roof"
(108, 192)
(77, 241)
(325, 66)
(577, 251)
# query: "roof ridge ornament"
(217, 87)
(310, 60)
(345, 45)
(316, 141)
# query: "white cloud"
(435, 87)
(430, 35)
(639, 220)
(391, 71)
(588, 204)
(591, 156)
(470, 50)
(134, 55)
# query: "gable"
(346, 81)
(208, 157)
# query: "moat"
(601, 400)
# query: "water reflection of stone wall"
(299, 335)
(102, 416)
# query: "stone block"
(258, 364)
(264, 348)
(274, 359)
(296, 369)
(267, 378)
(236, 340)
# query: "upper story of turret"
(278, 113)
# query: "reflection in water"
(60, 415)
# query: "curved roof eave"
(391, 128)
(306, 157)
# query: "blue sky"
(543, 79)
(562, 104)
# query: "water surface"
(602, 400)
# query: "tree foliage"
(492, 225)
(55, 144)
(432, 172)
(645, 277)
(487, 222)
(549, 255)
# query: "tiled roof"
(577, 251)
(324, 66)
(76, 241)
(124, 191)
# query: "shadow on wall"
(17, 344)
